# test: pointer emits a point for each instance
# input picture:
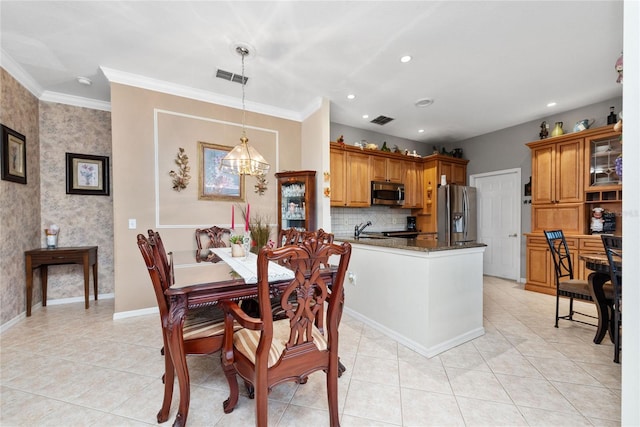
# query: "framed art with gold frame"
(213, 183)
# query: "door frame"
(517, 197)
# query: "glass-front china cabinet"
(602, 167)
(297, 200)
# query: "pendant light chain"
(243, 52)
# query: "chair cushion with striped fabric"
(201, 323)
(581, 287)
(246, 341)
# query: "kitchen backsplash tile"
(383, 218)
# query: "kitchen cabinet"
(350, 177)
(412, 179)
(540, 269)
(557, 171)
(570, 176)
(387, 169)
(296, 200)
(434, 166)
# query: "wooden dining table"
(600, 274)
(199, 282)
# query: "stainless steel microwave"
(387, 193)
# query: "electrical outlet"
(346, 221)
(394, 220)
(132, 224)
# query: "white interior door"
(498, 195)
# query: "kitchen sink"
(371, 237)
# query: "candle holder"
(52, 236)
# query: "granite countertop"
(403, 243)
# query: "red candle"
(246, 222)
(233, 225)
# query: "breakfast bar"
(425, 295)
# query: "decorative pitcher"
(557, 129)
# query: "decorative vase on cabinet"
(296, 200)
(557, 129)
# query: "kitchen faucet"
(359, 228)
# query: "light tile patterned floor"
(70, 366)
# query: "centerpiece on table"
(236, 245)
(259, 229)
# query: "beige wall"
(148, 125)
(19, 203)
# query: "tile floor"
(68, 366)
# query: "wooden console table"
(43, 257)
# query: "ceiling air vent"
(381, 120)
(226, 75)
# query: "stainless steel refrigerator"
(457, 223)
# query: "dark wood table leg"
(174, 324)
(596, 281)
(44, 274)
(29, 275)
(85, 269)
(95, 279)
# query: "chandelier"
(243, 159)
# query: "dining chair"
(267, 352)
(566, 284)
(165, 258)
(613, 247)
(202, 330)
(211, 237)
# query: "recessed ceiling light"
(551, 104)
(405, 58)
(420, 130)
(365, 116)
(84, 81)
(424, 102)
(351, 96)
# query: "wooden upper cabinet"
(412, 179)
(385, 169)
(350, 181)
(456, 173)
(338, 177)
(557, 172)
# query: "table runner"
(247, 267)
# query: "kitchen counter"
(404, 243)
(426, 296)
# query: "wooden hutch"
(570, 175)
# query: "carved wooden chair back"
(166, 259)
(202, 330)
(613, 247)
(268, 352)
(216, 237)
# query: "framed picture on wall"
(87, 174)
(213, 183)
(14, 156)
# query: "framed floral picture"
(14, 156)
(213, 183)
(87, 174)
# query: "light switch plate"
(132, 224)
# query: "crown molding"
(18, 73)
(78, 101)
(313, 106)
(136, 80)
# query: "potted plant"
(236, 245)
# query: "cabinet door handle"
(513, 235)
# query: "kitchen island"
(425, 295)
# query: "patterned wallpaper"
(51, 130)
(83, 220)
(20, 204)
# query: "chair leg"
(168, 380)
(262, 405)
(616, 332)
(230, 372)
(557, 307)
(332, 395)
(571, 308)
